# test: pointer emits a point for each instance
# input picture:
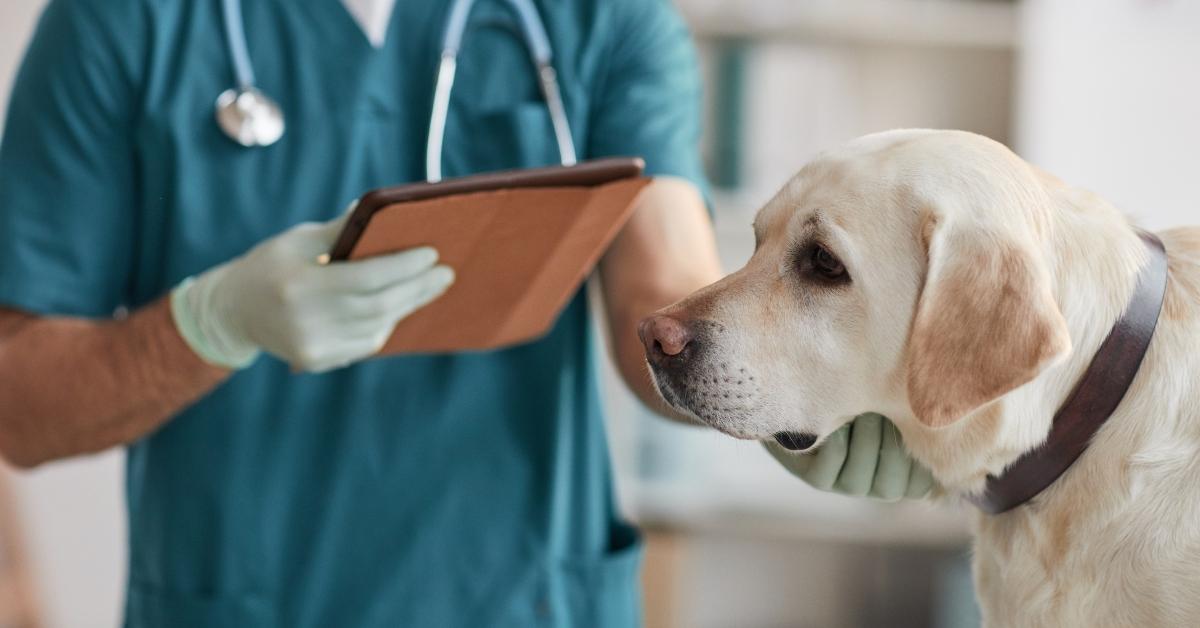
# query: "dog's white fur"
(940, 230)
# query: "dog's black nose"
(667, 340)
(796, 441)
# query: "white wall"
(806, 97)
(1110, 100)
(73, 511)
(16, 22)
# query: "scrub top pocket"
(603, 590)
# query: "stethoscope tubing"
(235, 35)
(541, 53)
(536, 40)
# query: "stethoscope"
(251, 118)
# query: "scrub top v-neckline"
(340, 18)
(373, 17)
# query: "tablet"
(521, 243)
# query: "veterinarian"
(170, 171)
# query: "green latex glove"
(865, 458)
(278, 298)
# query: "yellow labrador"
(935, 277)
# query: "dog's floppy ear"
(986, 322)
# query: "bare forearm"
(70, 386)
(665, 252)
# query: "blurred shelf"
(984, 24)
(803, 515)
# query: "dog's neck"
(1094, 255)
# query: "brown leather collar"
(1095, 397)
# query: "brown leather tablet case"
(521, 243)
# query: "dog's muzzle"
(693, 374)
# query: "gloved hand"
(866, 457)
(278, 298)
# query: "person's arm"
(73, 379)
(67, 204)
(72, 385)
(648, 98)
(665, 252)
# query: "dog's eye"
(826, 265)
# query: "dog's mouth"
(796, 441)
(720, 409)
(707, 407)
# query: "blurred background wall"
(1109, 100)
(1101, 92)
(72, 512)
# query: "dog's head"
(900, 274)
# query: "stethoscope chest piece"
(249, 117)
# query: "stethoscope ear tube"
(558, 114)
(437, 118)
(536, 41)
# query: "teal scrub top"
(470, 489)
